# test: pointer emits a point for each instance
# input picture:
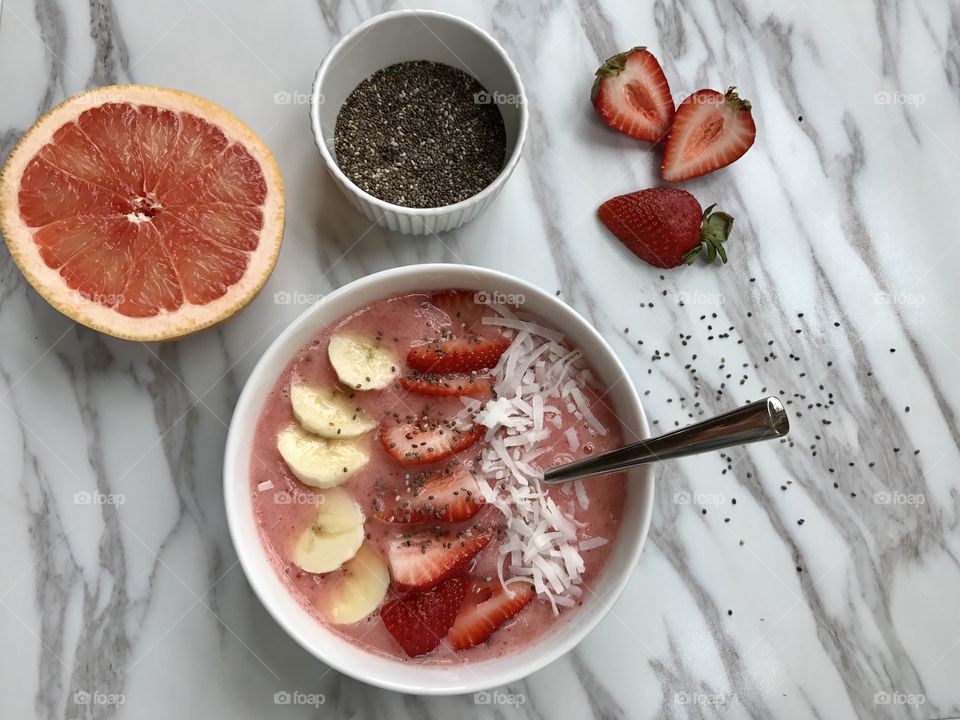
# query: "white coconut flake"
(572, 439)
(584, 407)
(524, 326)
(265, 485)
(593, 543)
(581, 491)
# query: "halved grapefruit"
(142, 212)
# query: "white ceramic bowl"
(308, 631)
(400, 36)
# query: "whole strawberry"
(665, 226)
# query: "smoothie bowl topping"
(536, 377)
(395, 478)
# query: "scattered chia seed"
(415, 134)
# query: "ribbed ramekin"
(401, 36)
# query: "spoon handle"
(761, 420)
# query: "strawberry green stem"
(714, 231)
(735, 101)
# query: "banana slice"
(361, 363)
(337, 511)
(318, 461)
(361, 589)
(317, 551)
(328, 413)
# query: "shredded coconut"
(591, 543)
(536, 376)
(581, 491)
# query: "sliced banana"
(318, 461)
(317, 551)
(328, 413)
(337, 511)
(361, 589)
(361, 363)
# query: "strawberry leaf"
(714, 230)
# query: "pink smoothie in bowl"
(391, 514)
(473, 522)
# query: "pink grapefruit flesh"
(146, 213)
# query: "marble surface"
(818, 578)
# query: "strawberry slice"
(457, 355)
(420, 440)
(421, 561)
(464, 307)
(420, 620)
(486, 608)
(631, 94)
(451, 384)
(451, 494)
(709, 132)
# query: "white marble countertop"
(815, 579)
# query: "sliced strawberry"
(421, 440)
(420, 620)
(709, 132)
(457, 355)
(487, 607)
(450, 494)
(631, 94)
(464, 307)
(451, 384)
(425, 559)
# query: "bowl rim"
(245, 412)
(383, 205)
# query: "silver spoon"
(761, 420)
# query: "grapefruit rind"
(188, 318)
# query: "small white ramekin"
(401, 36)
(330, 647)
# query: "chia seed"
(418, 134)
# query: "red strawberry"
(451, 494)
(631, 94)
(487, 607)
(447, 385)
(457, 355)
(665, 227)
(709, 132)
(423, 560)
(420, 620)
(420, 440)
(463, 307)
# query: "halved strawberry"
(487, 607)
(463, 307)
(709, 132)
(418, 440)
(457, 355)
(425, 559)
(420, 620)
(450, 494)
(631, 94)
(450, 384)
